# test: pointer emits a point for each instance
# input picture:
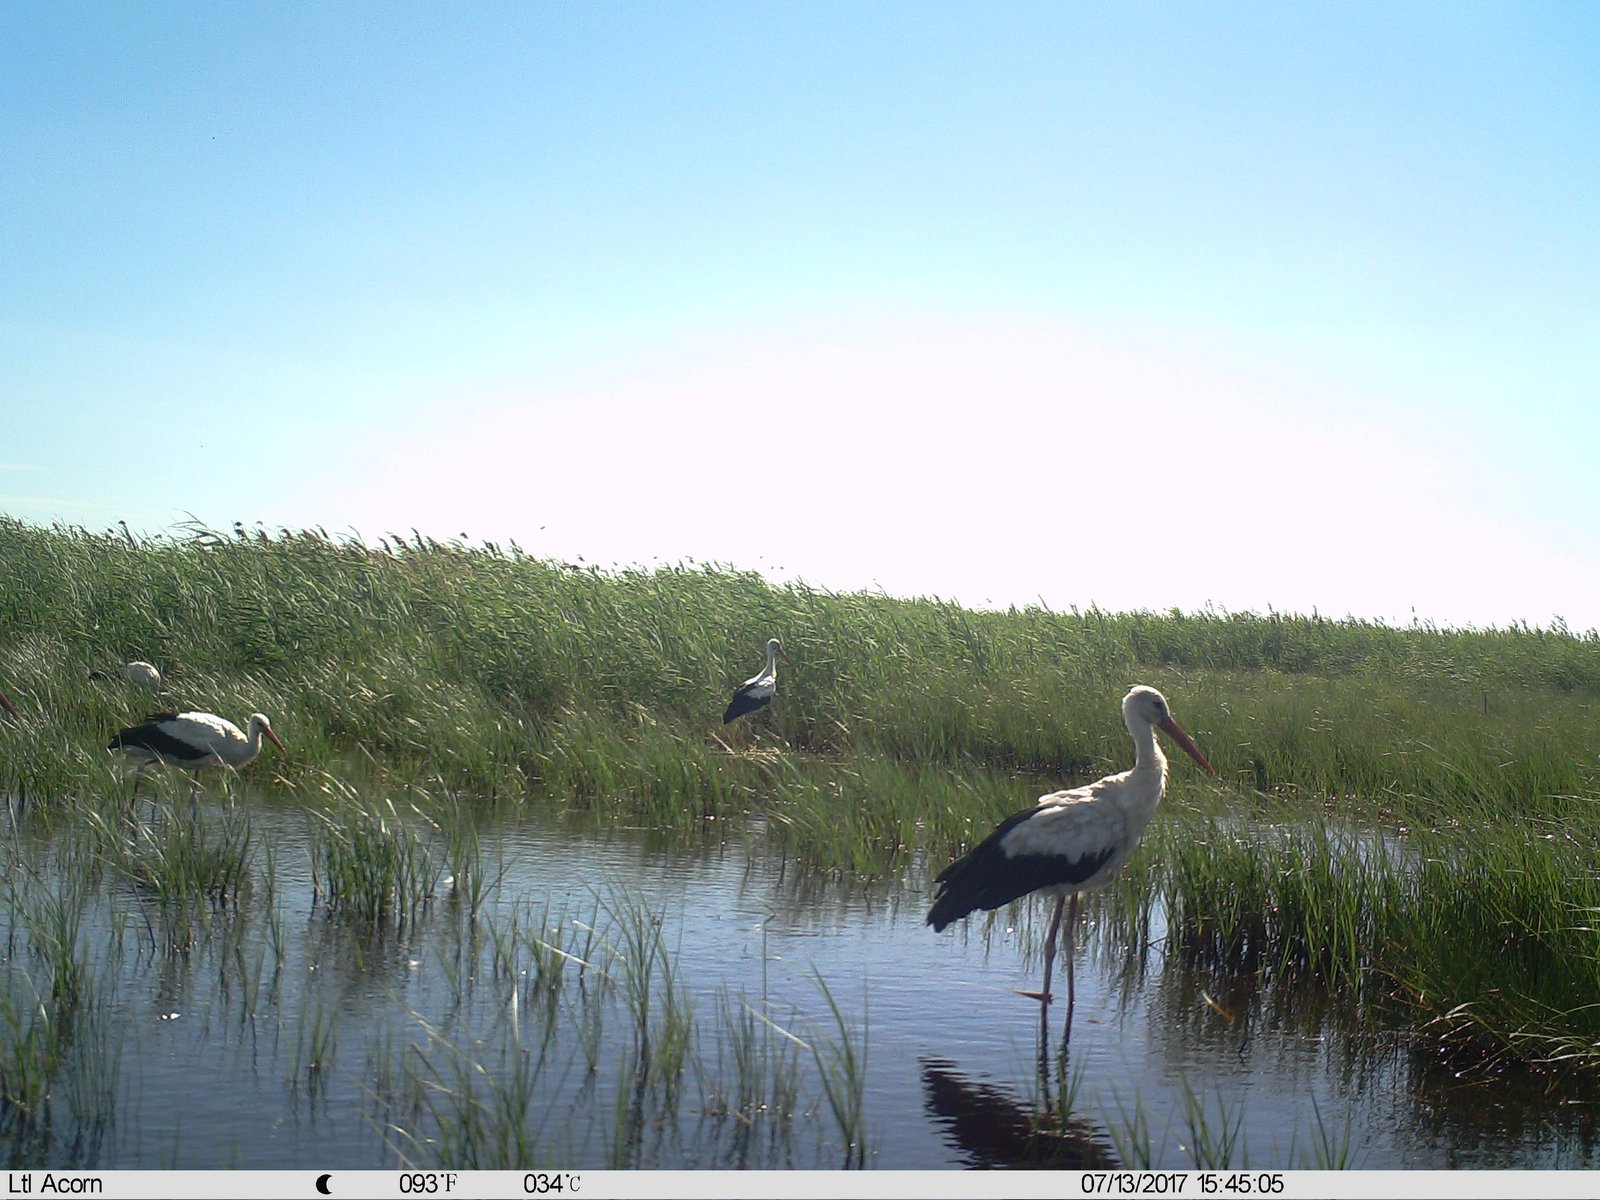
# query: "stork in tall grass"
(757, 691)
(193, 741)
(138, 672)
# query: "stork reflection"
(989, 1127)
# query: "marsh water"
(606, 996)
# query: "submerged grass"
(58, 1054)
(590, 1016)
(841, 1060)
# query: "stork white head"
(774, 646)
(259, 721)
(1144, 705)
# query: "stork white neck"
(1142, 707)
(1147, 755)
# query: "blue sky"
(1138, 305)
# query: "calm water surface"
(279, 1035)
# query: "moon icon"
(322, 1185)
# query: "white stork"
(193, 741)
(140, 672)
(757, 691)
(1069, 842)
(143, 673)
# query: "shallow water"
(279, 1035)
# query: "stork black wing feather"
(986, 877)
(151, 737)
(745, 700)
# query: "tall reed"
(494, 671)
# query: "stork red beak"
(273, 738)
(11, 709)
(1183, 739)
(786, 657)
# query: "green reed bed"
(1509, 965)
(1482, 938)
(1413, 750)
(492, 671)
(636, 763)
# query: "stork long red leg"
(1072, 991)
(1050, 950)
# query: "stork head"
(776, 647)
(1144, 705)
(259, 721)
(141, 672)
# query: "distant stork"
(193, 741)
(11, 709)
(1069, 842)
(138, 671)
(757, 691)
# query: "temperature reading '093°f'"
(427, 1183)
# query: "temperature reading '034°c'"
(428, 1183)
(552, 1183)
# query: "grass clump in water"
(367, 862)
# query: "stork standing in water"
(193, 741)
(1069, 842)
(757, 691)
